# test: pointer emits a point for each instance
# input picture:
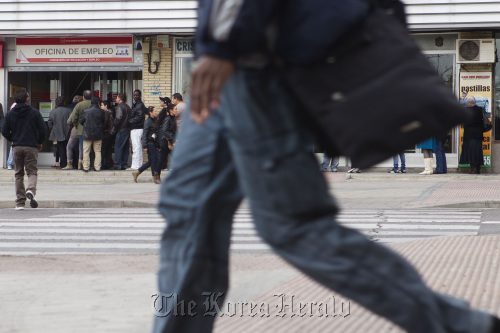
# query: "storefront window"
(496, 110)
(183, 48)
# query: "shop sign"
(478, 85)
(184, 46)
(74, 49)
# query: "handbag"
(487, 125)
(374, 94)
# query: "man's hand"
(207, 79)
(39, 147)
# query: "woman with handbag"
(472, 147)
(167, 129)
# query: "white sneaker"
(9, 168)
(31, 198)
(19, 207)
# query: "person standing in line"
(329, 163)
(136, 124)
(93, 122)
(181, 107)
(428, 147)
(472, 146)
(107, 139)
(441, 166)
(120, 127)
(76, 100)
(167, 128)
(149, 143)
(77, 114)
(73, 152)
(57, 123)
(25, 128)
(395, 161)
(244, 139)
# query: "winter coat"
(77, 114)
(74, 131)
(150, 132)
(108, 120)
(58, 123)
(473, 129)
(427, 144)
(137, 115)
(24, 126)
(166, 131)
(122, 114)
(92, 121)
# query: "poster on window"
(478, 85)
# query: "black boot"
(472, 168)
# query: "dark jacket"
(150, 132)
(137, 115)
(58, 124)
(108, 123)
(301, 23)
(166, 131)
(1, 116)
(92, 121)
(473, 129)
(122, 114)
(24, 126)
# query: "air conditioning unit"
(476, 51)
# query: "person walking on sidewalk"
(149, 143)
(120, 127)
(181, 107)
(395, 162)
(243, 138)
(59, 129)
(77, 114)
(428, 147)
(136, 124)
(167, 129)
(24, 126)
(93, 122)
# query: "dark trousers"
(61, 149)
(106, 152)
(162, 157)
(441, 166)
(152, 158)
(121, 149)
(25, 158)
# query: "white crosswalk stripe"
(138, 231)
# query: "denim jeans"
(122, 149)
(152, 159)
(259, 150)
(403, 161)
(10, 160)
(441, 166)
(328, 161)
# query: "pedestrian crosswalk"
(138, 231)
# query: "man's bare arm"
(208, 78)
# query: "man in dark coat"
(24, 126)
(120, 127)
(93, 122)
(244, 139)
(59, 129)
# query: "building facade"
(62, 47)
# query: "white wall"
(452, 14)
(59, 17)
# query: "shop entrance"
(44, 87)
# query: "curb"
(84, 204)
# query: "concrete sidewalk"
(113, 293)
